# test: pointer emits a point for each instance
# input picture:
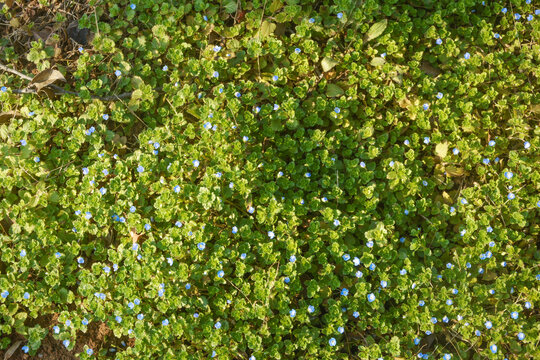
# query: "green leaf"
(328, 63)
(376, 30)
(267, 28)
(441, 150)
(231, 6)
(333, 90)
(378, 61)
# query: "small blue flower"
(372, 266)
(426, 140)
(215, 74)
(434, 320)
(384, 284)
(137, 301)
(234, 229)
(118, 319)
(521, 336)
(312, 20)
(421, 303)
(36, 159)
(292, 258)
(134, 247)
(517, 16)
(140, 316)
(406, 212)
(66, 343)
(218, 325)
(359, 274)
(68, 322)
(196, 163)
(3, 89)
(292, 313)
(371, 297)
(80, 260)
(251, 210)
(275, 78)
(369, 244)
(336, 222)
(526, 144)
(117, 73)
(177, 189)
(488, 324)
(165, 322)
(496, 36)
(340, 330)
(346, 257)
(311, 309)
(493, 348)
(332, 342)
(147, 227)
(527, 305)
(220, 273)
(165, 68)
(25, 349)
(467, 56)
(339, 15)
(491, 143)
(514, 315)
(23, 142)
(504, 10)
(271, 234)
(511, 196)
(103, 191)
(344, 292)
(23, 253)
(287, 280)
(243, 256)
(132, 6)
(337, 110)
(402, 272)
(105, 116)
(4, 294)
(201, 246)
(297, 50)
(106, 269)
(178, 224)
(131, 305)
(237, 94)
(530, 17)
(425, 106)
(485, 161)
(416, 341)
(438, 41)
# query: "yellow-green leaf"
(333, 90)
(267, 28)
(441, 149)
(378, 61)
(376, 30)
(328, 64)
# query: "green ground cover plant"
(277, 179)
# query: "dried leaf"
(14, 22)
(6, 116)
(376, 30)
(9, 353)
(535, 108)
(452, 170)
(80, 36)
(429, 69)
(328, 63)
(134, 235)
(46, 77)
